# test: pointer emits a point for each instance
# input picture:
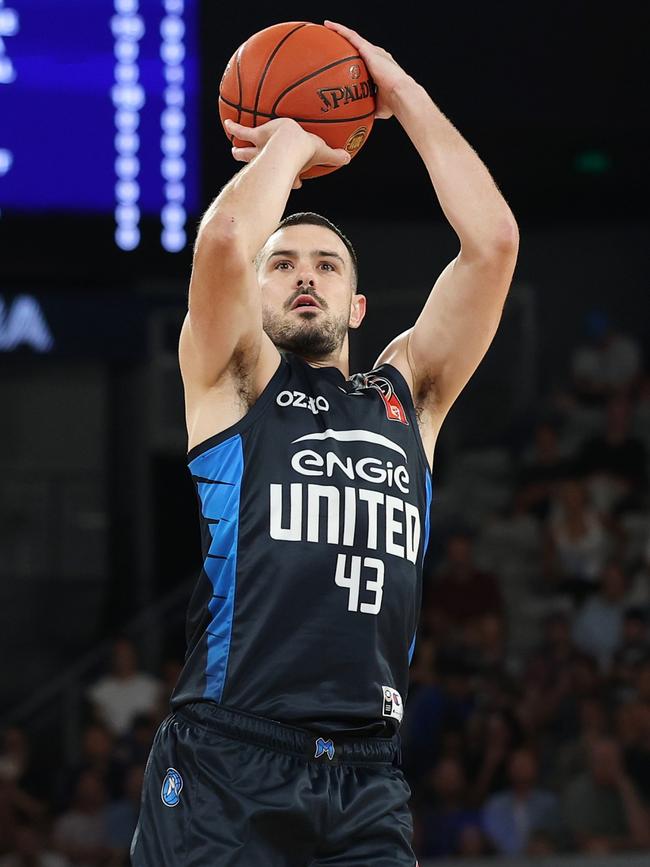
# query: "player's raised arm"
(461, 315)
(225, 314)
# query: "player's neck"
(341, 362)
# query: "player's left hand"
(384, 69)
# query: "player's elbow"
(496, 246)
(502, 241)
(219, 239)
(219, 229)
(506, 237)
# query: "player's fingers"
(334, 157)
(244, 155)
(351, 35)
(297, 184)
(245, 133)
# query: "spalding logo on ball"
(306, 72)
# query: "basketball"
(306, 72)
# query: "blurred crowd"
(527, 729)
(83, 814)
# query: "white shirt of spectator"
(582, 557)
(611, 366)
(120, 700)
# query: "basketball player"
(314, 489)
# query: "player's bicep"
(224, 312)
(458, 323)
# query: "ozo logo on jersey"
(299, 399)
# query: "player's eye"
(329, 264)
(278, 264)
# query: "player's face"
(306, 278)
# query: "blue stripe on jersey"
(427, 517)
(427, 521)
(218, 476)
(412, 648)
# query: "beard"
(310, 335)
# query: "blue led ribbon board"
(99, 112)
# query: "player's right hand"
(316, 151)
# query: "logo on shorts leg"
(322, 747)
(392, 703)
(172, 786)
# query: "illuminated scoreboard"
(99, 112)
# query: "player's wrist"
(290, 138)
(404, 94)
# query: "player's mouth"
(305, 302)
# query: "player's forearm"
(252, 203)
(467, 194)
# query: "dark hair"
(309, 218)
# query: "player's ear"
(357, 310)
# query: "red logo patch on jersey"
(394, 408)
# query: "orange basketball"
(306, 72)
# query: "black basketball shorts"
(224, 788)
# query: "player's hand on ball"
(316, 151)
(384, 69)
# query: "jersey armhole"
(404, 394)
(281, 373)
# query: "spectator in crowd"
(16, 805)
(133, 748)
(578, 541)
(511, 817)
(122, 815)
(609, 362)
(601, 808)
(18, 763)
(80, 833)
(633, 650)
(540, 845)
(490, 738)
(634, 731)
(484, 643)
(446, 702)
(472, 842)
(459, 592)
(585, 681)
(542, 469)
(614, 463)
(443, 814)
(98, 756)
(547, 674)
(641, 410)
(598, 626)
(30, 850)
(125, 692)
(569, 757)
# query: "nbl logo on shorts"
(170, 793)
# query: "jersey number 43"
(373, 581)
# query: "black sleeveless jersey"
(314, 512)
